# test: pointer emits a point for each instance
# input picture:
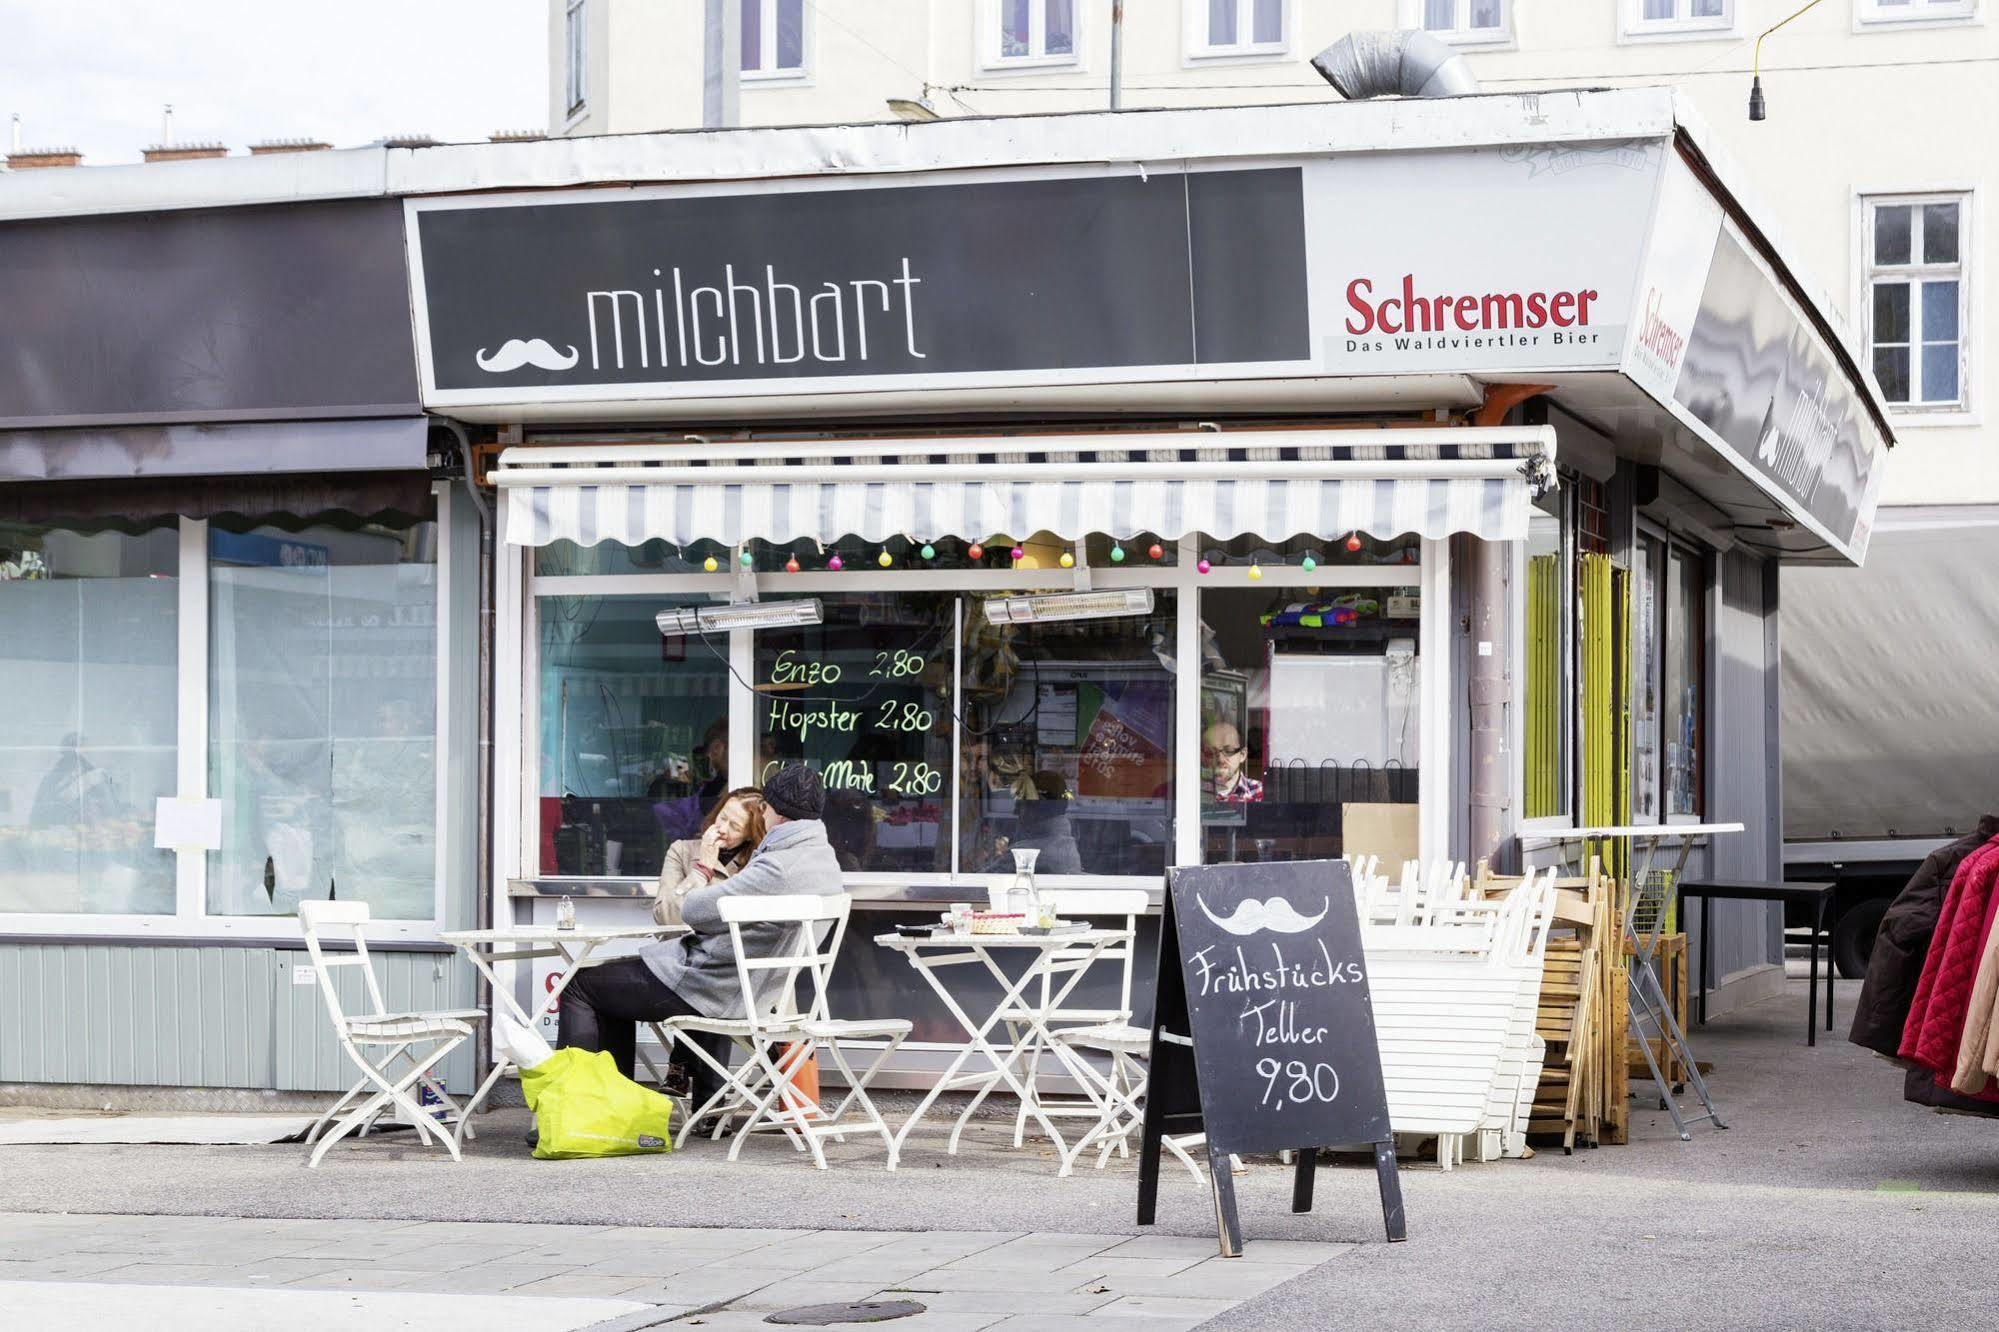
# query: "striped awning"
(1016, 488)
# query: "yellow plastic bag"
(583, 1106)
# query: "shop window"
(1887, 13)
(1309, 711)
(323, 719)
(634, 733)
(773, 39)
(1462, 21)
(865, 697)
(1067, 743)
(1548, 663)
(1683, 682)
(1647, 710)
(576, 57)
(1223, 28)
(1020, 33)
(1916, 292)
(88, 737)
(1678, 18)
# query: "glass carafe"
(1024, 897)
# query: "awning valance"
(1273, 484)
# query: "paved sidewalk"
(208, 1274)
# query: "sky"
(95, 74)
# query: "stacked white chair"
(1454, 983)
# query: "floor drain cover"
(827, 1315)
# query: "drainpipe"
(482, 877)
(1117, 55)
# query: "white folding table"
(576, 947)
(1021, 1004)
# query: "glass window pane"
(88, 737)
(1440, 15)
(1269, 21)
(1309, 722)
(1940, 372)
(1683, 684)
(865, 698)
(1710, 8)
(1657, 10)
(1067, 746)
(1061, 30)
(1014, 27)
(1940, 311)
(1891, 312)
(634, 733)
(790, 34)
(1891, 372)
(753, 39)
(1487, 14)
(1940, 233)
(323, 719)
(1891, 234)
(1649, 556)
(1221, 22)
(1546, 714)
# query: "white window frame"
(191, 919)
(576, 61)
(1461, 33)
(1684, 26)
(1873, 16)
(988, 40)
(766, 73)
(1967, 410)
(1200, 51)
(517, 840)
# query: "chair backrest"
(812, 947)
(1081, 903)
(321, 922)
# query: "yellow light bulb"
(1255, 572)
(710, 564)
(1068, 560)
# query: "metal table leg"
(1812, 1007)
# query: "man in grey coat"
(695, 974)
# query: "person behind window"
(729, 836)
(1225, 760)
(1041, 810)
(694, 975)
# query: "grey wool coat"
(700, 967)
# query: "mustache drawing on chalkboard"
(515, 353)
(1252, 916)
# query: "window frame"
(191, 919)
(517, 730)
(576, 61)
(1196, 50)
(1633, 26)
(986, 38)
(1460, 33)
(765, 75)
(1967, 410)
(1872, 16)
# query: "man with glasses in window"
(1225, 759)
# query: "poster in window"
(1226, 785)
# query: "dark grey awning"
(292, 501)
(121, 452)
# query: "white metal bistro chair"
(1117, 1104)
(378, 1040)
(763, 1086)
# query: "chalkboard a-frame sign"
(1261, 966)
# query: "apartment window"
(1666, 18)
(1461, 20)
(1030, 32)
(1237, 27)
(576, 59)
(1916, 292)
(773, 39)
(1869, 12)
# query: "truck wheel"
(1853, 936)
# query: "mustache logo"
(1252, 916)
(515, 353)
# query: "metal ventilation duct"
(1403, 64)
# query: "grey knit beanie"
(796, 793)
